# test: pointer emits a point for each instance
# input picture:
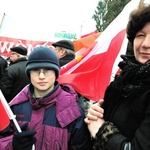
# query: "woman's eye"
(139, 35)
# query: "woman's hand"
(94, 126)
(95, 112)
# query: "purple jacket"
(57, 118)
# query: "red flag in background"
(4, 119)
(92, 74)
(92, 77)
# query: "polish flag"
(90, 74)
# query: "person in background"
(65, 51)
(14, 78)
(3, 65)
(48, 111)
(122, 120)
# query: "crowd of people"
(13, 78)
(49, 113)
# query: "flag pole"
(141, 3)
(10, 114)
(9, 111)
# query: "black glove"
(23, 140)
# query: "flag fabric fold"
(92, 74)
(90, 78)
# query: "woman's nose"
(146, 42)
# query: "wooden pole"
(141, 3)
(2, 15)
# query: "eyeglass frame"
(37, 72)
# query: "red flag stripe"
(92, 74)
(4, 119)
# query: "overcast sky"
(64, 13)
(38, 19)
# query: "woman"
(122, 122)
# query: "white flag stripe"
(117, 25)
(118, 58)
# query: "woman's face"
(142, 44)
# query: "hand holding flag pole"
(9, 114)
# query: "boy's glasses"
(37, 72)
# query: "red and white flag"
(91, 74)
(4, 119)
(6, 114)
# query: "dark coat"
(57, 119)
(3, 65)
(127, 105)
(14, 79)
(66, 59)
